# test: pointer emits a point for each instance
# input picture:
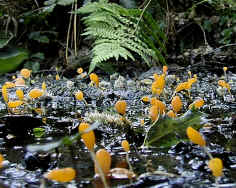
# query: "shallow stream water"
(182, 165)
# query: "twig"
(75, 22)
(141, 15)
(68, 35)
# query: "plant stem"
(75, 22)
(127, 160)
(99, 169)
(141, 15)
(207, 152)
(68, 35)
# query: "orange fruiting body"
(171, 114)
(164, 69)
(153, 112)
(159, 84)
(104, 160)
(19, 82)
(25, 73)
(225, 69)
(5, 93)
(120, 107)
(145, 99)
(125, 145)
(80, 70)
(192, 81)
(142, 122)
(224, 84)
(176, 104)
(161, 107)
(44, 87)
(38, 111)
(197, 104)
(94, 79)
(35, 93)
(195, 137)
(1, 160)
(79, 95)
(9, 85)
(14, 104)
(62, 175)
(216, 166)
(183, 86)
(20, 94)
(89, 137)
(57, 77)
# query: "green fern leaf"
(116, 34)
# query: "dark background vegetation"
(191, 26)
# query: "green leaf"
(49, 2)
(37, 36)
(107, 67)
(65, 2)
(5, 39)
(116, 34)
(32, 65)
(49, 9)
(167, 132)
(11, 58)
(38, 55)
(92, 66)
(38, 132)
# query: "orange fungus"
(25, 73)
(195, 137)
(104, 160)
(89, 137)
(125, 145)
(62, 175)
(120, 107)
(216, 166)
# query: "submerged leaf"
(122, 173)
(163, 132)
(43, 147)
(39, 132)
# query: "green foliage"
(120, 33)
(39, 132)
(11, 58)
(224, 11)
(167, 132)
(51, 4)
(33, 63)
(5, 38)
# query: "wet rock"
(180, 148)
(150, 73)
(196, 164)
(20, 125)
(120, 83)
(35, 161)
(149, 180)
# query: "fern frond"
(117, 35)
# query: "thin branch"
(142, 15)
